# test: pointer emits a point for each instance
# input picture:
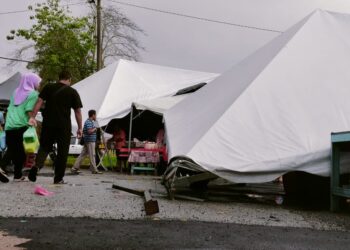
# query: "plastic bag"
(30, 140)
(2, 141)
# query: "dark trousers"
(50, 136)
(5, 160)
(15, 150)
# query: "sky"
(181, 42)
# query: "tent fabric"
(274, 112)
(112, 90)
(159, 105)
(8, 86)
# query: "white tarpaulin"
(8, 87)
(159, 105)
(273, 112)
(112, 90)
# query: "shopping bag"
(2, 141)
(30, 141)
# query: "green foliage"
(61, 41)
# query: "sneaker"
(32, 174)
(19, 179)
(75, 171)
(96, 172)
(3, 177)
(59, 182)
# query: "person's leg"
(46, 142)
(3, 177)
(14, 141)
(63, 141)
(91, 150)
(5, 161)
(80, 158)
(97, 156)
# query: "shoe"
(75, 171)
(3, 177)
(96, 172)
(61, 182)
(4, 170)
(19, 179)
(32, 174)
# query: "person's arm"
(33, 113)
(91, 130)
(78, 118)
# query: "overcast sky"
(187, 43)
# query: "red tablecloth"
(143, 152)
(143, 156)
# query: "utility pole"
(99, 36)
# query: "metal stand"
(100, 164)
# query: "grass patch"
(86, 163)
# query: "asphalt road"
(88, 233)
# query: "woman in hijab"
(19, 110)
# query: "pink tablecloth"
(143, 156)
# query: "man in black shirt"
(59, 98)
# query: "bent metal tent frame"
(273, 112)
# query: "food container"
(151, 145)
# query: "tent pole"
(130, 127)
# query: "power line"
(196, 17)
(27, 61)
(15, 59)
(27, 10)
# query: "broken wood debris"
(151, 205)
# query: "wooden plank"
(129, 190)
(151, 205)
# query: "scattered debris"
(151, 205)
(42, 191)
(184, 179)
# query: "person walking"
(59, 99)
(89, 135)
(18, 114)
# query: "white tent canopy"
(273, 112)
(159, 105)
(8, 86)
(112, 90)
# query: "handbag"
(82, 141)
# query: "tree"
(61, 41)
(119, 36)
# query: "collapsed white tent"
(112, 90)
(273, 112)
